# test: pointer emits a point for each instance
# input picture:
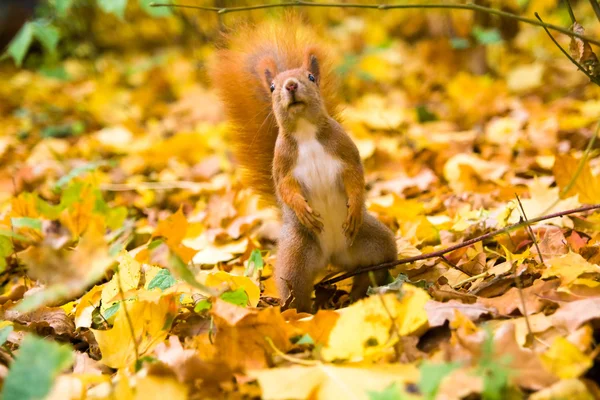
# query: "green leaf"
(182, 271)
(239, 297)
(33, 371)
(432, 375)
(47, 34)
(487, 36)
(62, 7)
(202, 305)
(112, 310)
(6, 246)
(254, 262)
(305, 339)
(162, 280)
(424, 115)
(76, 172)
(116, 7)
(4, 332)
(26, 222)
(11, 234)
(19, 46)
(459, 43)
(493, 370)
(392, 392)
(155, 11)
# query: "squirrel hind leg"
(374, 244)
(299, 258)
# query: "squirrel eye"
(272, 87)
(311, 77)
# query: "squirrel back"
(237, 76)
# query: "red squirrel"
(279, 94)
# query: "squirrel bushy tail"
(236, 76)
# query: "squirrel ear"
(267, 70)
(311, 63)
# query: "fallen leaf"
(148, 321)
(367, 327)
(330, 381)
(572, 315)
(438, 313)
(565, 360)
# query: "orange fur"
(238, 73)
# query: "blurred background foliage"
(414, 74)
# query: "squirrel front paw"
(353, 223)
(310, 218)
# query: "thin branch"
(301, 3)
(450, 249)
(580, 166)
(520, 291)
(128, 318)
(568, 3)
(529, 230)
(596, 7)
(123, 187)
(581, 67)
(394, 325)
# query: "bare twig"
(580, 166)
(123, 187)
(450, 249)
(529, 230)
(520, 291)
(568, 3)
(289, 358)
(596, 8)
(301, 3)
(394, 326)
(581, 67)
(128, 317)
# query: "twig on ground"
(128, 318)
(123, 187)
(300, 3)
(450, 249)
(529, 230)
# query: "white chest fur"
(319, 173)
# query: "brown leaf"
(187, 365)
(572, 315)
(44, 321)
(511, 300)
(446, 292)
(241, 334)
(438, 313)
(582, 52)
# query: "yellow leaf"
(160, 388)
(150, 322)
(128, 276)
(86, 305)
(565, 360)
(173, 228)
(568, 267)
(587, 186)
(564, 389)
(321, 381)
(225, 281)
(365, 328)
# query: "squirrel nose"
(291, 85)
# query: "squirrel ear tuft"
(267, 70)
(311, 63)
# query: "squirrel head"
(295, 92)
